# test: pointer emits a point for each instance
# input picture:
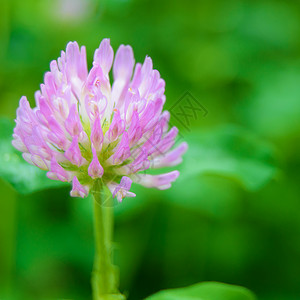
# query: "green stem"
(105, 274)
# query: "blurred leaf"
(271, 23)
(229, 151)
(7, 238)
(273, 108)
(24, 177)
(206, 291)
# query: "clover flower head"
(83, 128)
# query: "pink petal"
(97, 82)
(141, 161)
(122, 71)
(76, 61)
(95, 105)
(116, 127)
(123, 64)
(40, 162)
(171, 158)
(25, 115)
(146, 76)
(164, 119)
(78, 190)
(36, 144)
(97, 135)
(57, 172)
(95, 170)
(137, 77)
(134, 130)
(18, 144)
(104, 56)
(57, 74)
(161, 182)
(73, 123)
(122, 152)
(166, 142)
(56, 134)
(121, 190)
(73, 154)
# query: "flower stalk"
(105, 276)
(100, 135)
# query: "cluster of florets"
(83, 128)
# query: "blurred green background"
(233, 215)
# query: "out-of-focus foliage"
(205, 291)
(229, 151)
(231, 216)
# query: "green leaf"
(229, 151)
(206, 291)
(24, 177)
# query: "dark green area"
(233, 215)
